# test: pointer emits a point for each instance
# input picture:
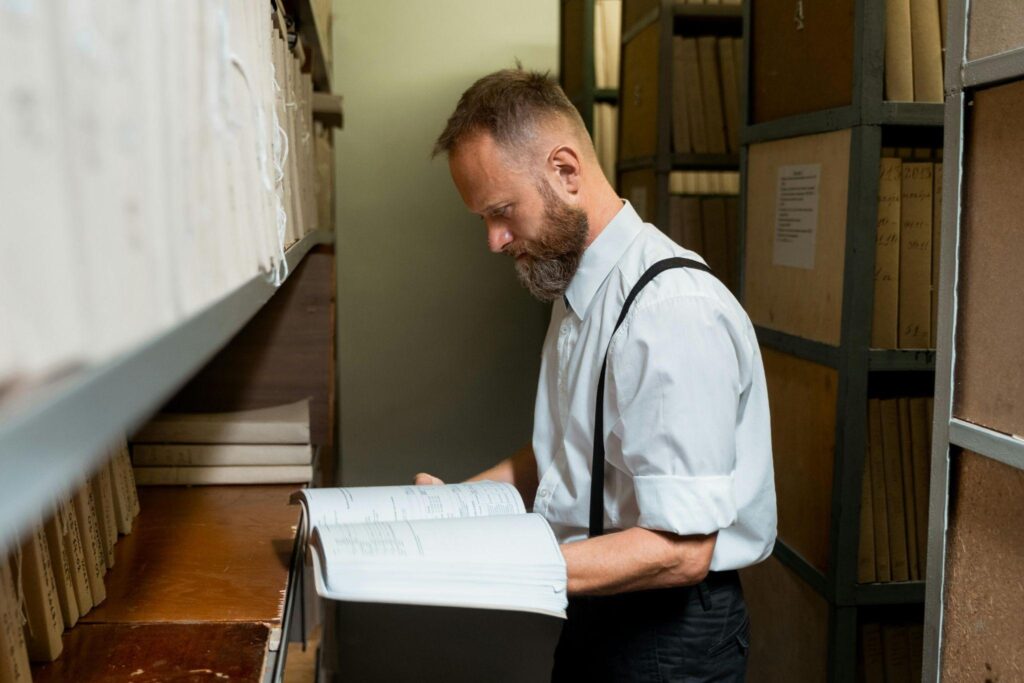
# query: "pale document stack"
(262, 446)
(458, 545)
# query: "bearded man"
(651, 451)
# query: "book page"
(501, 562)
(396, 503)
(502, 541)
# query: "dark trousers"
(693, 634)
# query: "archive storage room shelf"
(974, 612)
(815, 87)
(576, 59)
(646, 156)
(208, 575)
(50, 439)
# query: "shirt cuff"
(685, 505)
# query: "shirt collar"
(600, 257)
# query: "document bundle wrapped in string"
(459, 545)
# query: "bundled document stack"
(459, 545)
(55, 575)
(164, 144)
(264, 446)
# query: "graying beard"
(547, 279)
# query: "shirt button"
(543, 493)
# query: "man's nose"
(497, 238)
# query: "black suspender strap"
(597, 469)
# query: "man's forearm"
(636, 559)
(520, 470)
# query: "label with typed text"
(796, 215)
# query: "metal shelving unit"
(675, 19)
(868, 117)
(588, 94)
(52, 437)
(950, 434)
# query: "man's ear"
(565, 162)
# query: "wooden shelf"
(204, 564)
(52, 437)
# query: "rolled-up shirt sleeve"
(675, 379)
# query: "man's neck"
(603, 209)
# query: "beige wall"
(438, 344)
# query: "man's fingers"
(424, 479)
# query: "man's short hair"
(508, 104)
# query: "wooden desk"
(199, 588)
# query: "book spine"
(730, 94)
(92, 543)
(74, 547)
(212, 455)
(871, 653)
(104, 502)
(36, 580)
(694, 97)
(122, 504)
(926, 43)
(693, 233)
(681, 124)
(936, 248)
(732, 243)
(915, 256)
(711, 90)
(920, 438)
(885, 322)
(172, 431)
(273, 474)
(61, 564)
(14, 664)
(716, 245)
(894, 490)
(880, 512)
(899, 58)
(906, 462)
(866, 548)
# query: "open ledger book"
(460, 545)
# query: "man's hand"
(424, 479)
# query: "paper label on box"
(796, 215)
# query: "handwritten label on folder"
(796, 215)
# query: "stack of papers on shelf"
(459, 545)
(264, 446)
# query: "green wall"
(438, 345)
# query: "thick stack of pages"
(459, 545)
(264, 446)
(907, 249)
(55, 576)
